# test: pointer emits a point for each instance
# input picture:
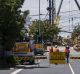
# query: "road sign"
(57, 57)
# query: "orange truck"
(22, 53)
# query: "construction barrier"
(57, 57)
(24, 60)
(40, 57)
(74, 57)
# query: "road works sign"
(21, 47)
(57, 57)
(38, 45)
(22, 60)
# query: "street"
(44, 67)
(39, 36)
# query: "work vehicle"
(38, 51)
(22, 53)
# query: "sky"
(68, 5)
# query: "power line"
(77, 18)
(60, 12)
(70, 11)
(37, 15)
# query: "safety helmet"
(55, 46)
(67, 46)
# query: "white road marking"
(11, 68)
(71, 69)
(17, 71)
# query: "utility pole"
(39, 18)
(52, 12)
(49, 9)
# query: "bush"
(11, 61)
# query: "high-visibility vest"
(55, 50)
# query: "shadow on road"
(4, 68)
(30, 67)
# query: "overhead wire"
(62, 13)
(59, 14)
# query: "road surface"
(44, 67)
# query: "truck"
(23, 54)
(39, 50)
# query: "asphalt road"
(44, 67)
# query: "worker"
(55, 49)
(67, 53)
(51, 49)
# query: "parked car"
(38, 51)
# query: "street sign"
(57, 57)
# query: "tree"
(46, 32)
(76, 32)
(11, 23)
(23, 30)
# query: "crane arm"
(59, 7)
(57, 18)
(77, 4)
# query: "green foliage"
(47, 32)
(11, 21)
(11, 61)
(76, 32)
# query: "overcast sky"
(68, 5)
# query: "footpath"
(74, 54)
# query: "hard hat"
(67, 47)
(56, 46)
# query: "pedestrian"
(67, 54)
